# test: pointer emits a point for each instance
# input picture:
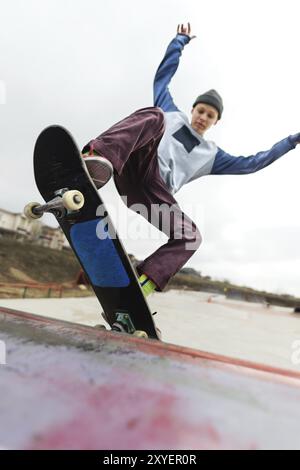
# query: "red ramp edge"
(69, 386)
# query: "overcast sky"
(86, 64)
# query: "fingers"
(181, 29)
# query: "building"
(51, 237)
(17, 226)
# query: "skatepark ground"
(199, 320)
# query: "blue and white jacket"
(183, 154)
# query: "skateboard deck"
(72, 197)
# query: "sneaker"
(99, 168)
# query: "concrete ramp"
(66, 386)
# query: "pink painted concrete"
(67, 386)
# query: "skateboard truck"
(65, 200)
(124, 324)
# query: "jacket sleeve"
(165, 72)
(226, 164)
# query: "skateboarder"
(156, 150)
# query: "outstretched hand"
(181, 29)
(297, 138)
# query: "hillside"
(27, 262)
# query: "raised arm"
(226, 164)
(168, 67)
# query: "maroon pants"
(131, 146)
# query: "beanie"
(212, 98)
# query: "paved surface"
(68, 386)
(199, 320)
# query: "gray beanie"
(212, 98)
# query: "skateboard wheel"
(100, 327)
(140, 334)
(118, 327)
(73, 200)
(29, 208)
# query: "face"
(203, 117)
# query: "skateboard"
(71, 196)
